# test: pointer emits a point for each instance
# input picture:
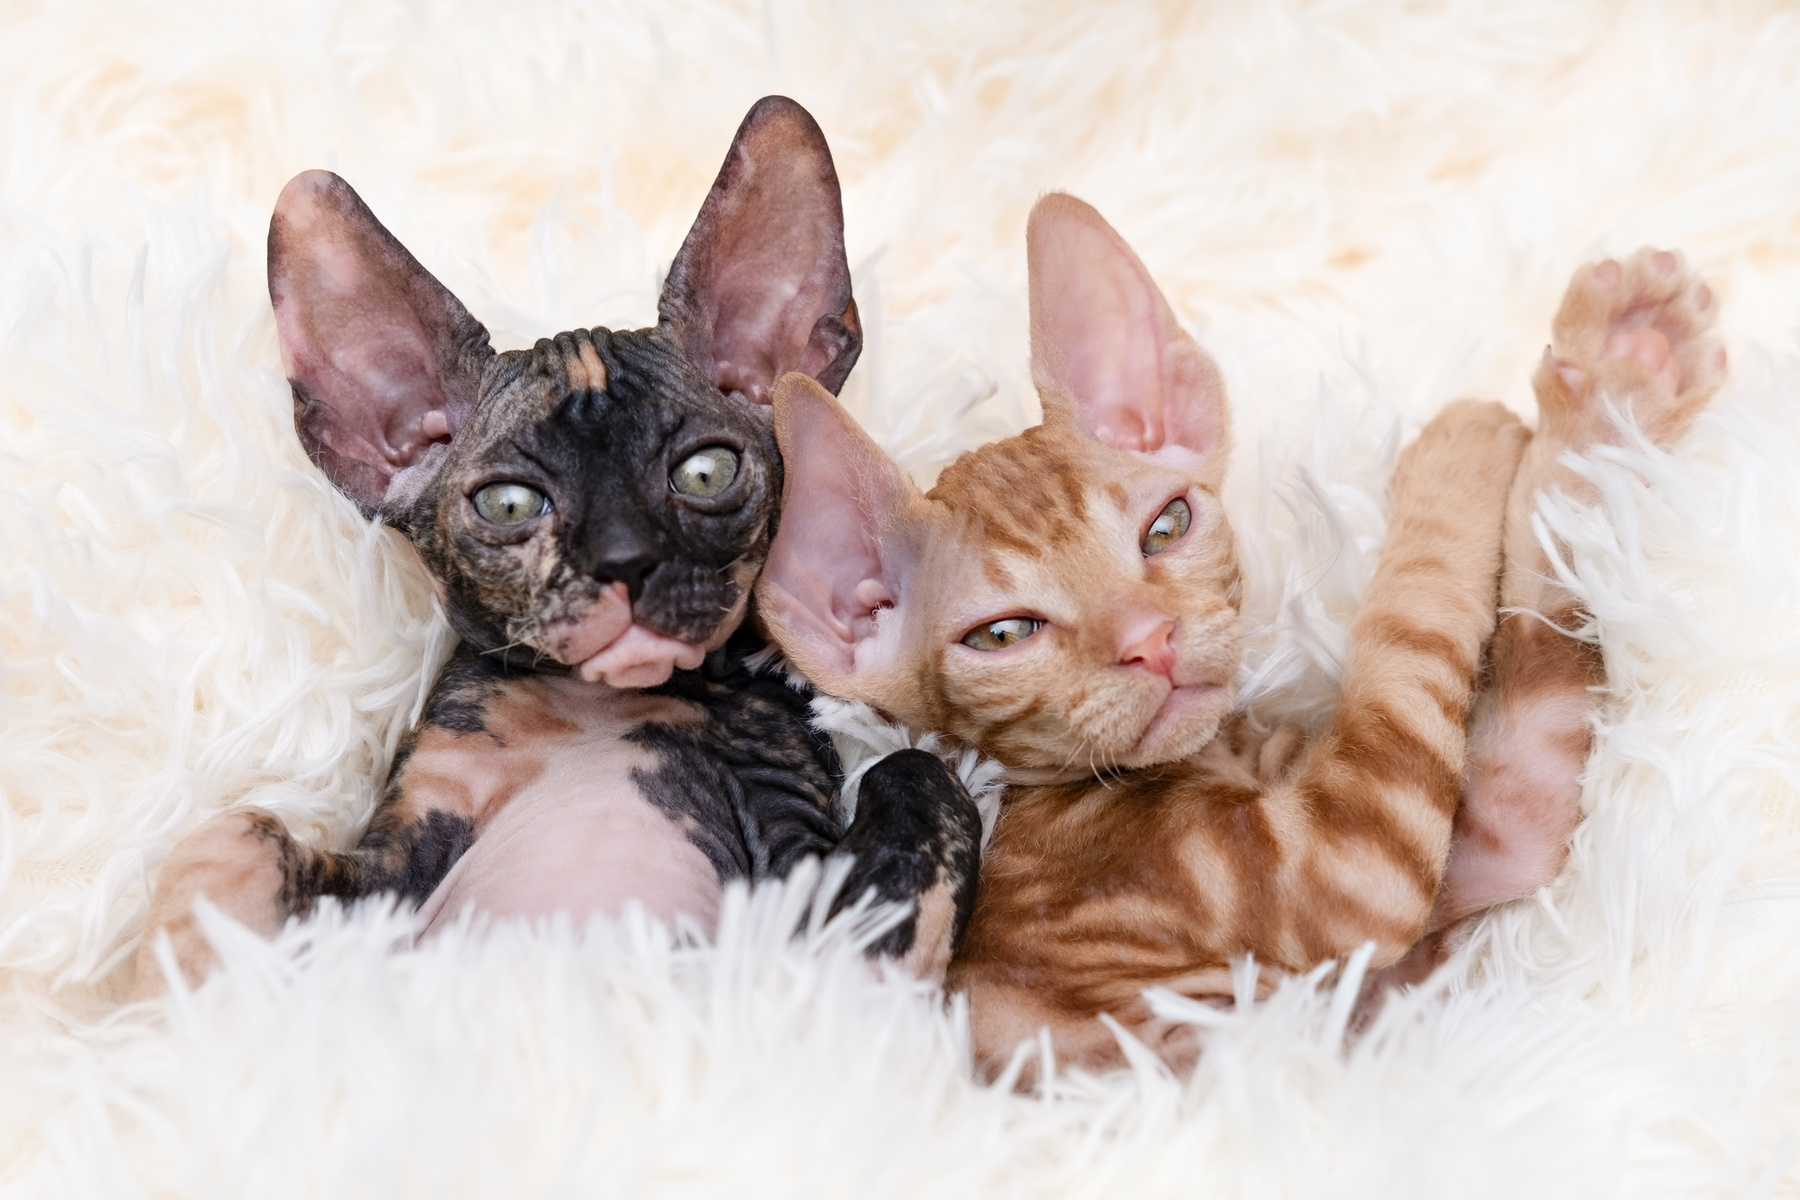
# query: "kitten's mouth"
(638, 658)
(1167, 729)
(1169, 736)
(607, 646)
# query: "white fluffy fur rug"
(1364, 211)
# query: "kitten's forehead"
(594, 377)
(1025, 494)
(1047, 488)
(570, 364)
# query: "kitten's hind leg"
(917, 838)
(1635, 337)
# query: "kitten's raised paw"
(1636, 335)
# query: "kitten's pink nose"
(1148, 646)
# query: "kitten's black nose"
(614, 551)
(628, 571)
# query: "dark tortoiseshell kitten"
(594, 512)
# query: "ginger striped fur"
(1035, 606)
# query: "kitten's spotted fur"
(1066, 600)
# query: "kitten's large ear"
(383, 360)
(843, 549)
(1103, 336)
(761, 285)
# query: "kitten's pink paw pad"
(1635, 334)
(1649, 347)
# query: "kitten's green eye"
(998, 635)
(705, 473)
(1168, 527)
(510, 503)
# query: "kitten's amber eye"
(705, 473)
(998, 635)
(510, 503)
(1168, 527)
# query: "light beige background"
(1363, 209)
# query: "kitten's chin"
(1182, 726)
(1188, 719)
(640, 659)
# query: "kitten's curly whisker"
(1074, 753)
(1104, 776)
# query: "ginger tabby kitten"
(1066, 601)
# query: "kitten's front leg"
(1634, 336)
(247, 864)
(916, 839)
(1377, 792)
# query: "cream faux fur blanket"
(1363, 210)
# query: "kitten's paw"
(1637, 335)
(240, 861)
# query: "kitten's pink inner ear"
(761, 285)
(1103, 336)
(839, 556)
(383, 359)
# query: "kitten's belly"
(581, 839)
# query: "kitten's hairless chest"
(580, 797)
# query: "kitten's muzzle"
(656, 611)
(607, 644)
